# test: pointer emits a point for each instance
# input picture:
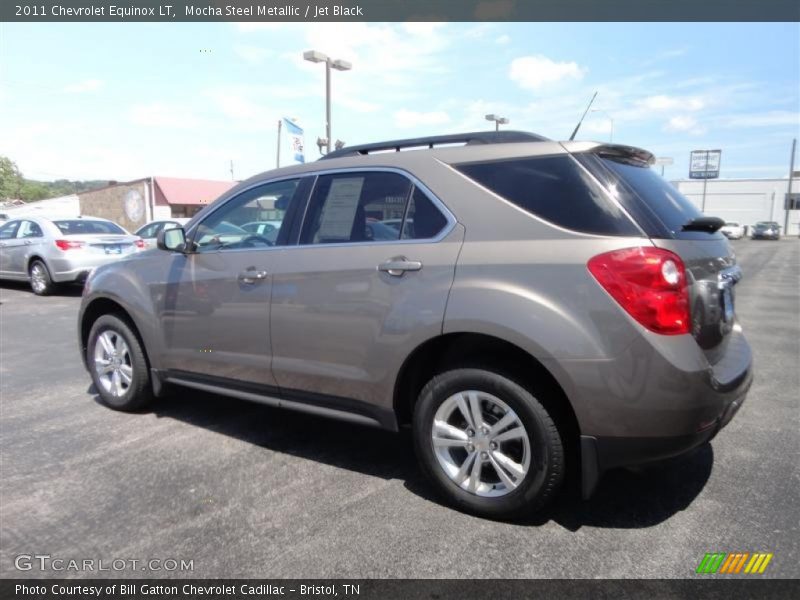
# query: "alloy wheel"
(481, 443)
(112, 363)
(38, 278)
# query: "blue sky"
(122, 101)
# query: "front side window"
(369, 207)
(252, 219)
(553, 188)
(149, 231)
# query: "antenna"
(578, 126)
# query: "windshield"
(86, 227)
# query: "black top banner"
(398, 10)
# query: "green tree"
(10, 179)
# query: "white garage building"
(745, 201)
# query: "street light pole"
(328, 103)
(498, 120)
(339, 65)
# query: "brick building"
(134, 203)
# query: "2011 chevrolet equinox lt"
(527, 307)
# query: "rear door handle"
(398, 266)
(251, 276)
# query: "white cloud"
(409, 118)
(685, 124)
(252, 54)
(158, 114)
(535, 72)
(765, 119)
(80, 87)
(665, 102)
(502, 39)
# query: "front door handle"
(398, 266)
(251, 276)
(28, 242)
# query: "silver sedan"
(47, 252)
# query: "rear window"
(85, 227)
(660, 198)
(555, 189)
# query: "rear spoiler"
(626, 153)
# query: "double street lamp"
(339, 65)
(498, 120)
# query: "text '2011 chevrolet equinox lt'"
(527, 307)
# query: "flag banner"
(296, 140)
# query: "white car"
(149, 232)
(47, 252)
(733, 231)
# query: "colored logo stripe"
(723, 562)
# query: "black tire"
(546, 471)
(41, 282)
(139, 392)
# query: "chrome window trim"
(446, 230)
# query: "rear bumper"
(77, 269)
(665, 412)
(599, 454)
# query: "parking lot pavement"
(245, 490)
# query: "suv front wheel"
(118, 365)
(487, 443)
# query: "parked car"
(552, 314)
(149, 231)
(766, 230)
(48, 252)
(733, 231)
(267, 229)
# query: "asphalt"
(245, 490)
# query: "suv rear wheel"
(118, 365)
(487, 443)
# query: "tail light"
(68, 245)
(140, 244)
(649, 283)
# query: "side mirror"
(171, 240)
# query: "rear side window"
(423, 219)
(86, 227)
(555, 189)
(668, 205)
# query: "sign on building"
(704, 164)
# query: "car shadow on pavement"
(624, 498)
(73, 290)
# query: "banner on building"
(295, 140)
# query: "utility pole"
(278, 152)
(705, 183)
(232, 178)
(787, 202)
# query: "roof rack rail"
(476, 137)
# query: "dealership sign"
(704, 164)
